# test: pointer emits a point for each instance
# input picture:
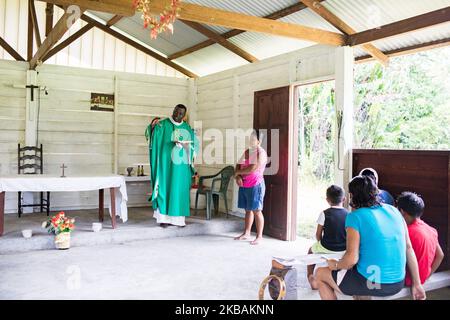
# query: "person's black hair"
(181, 106)
(335, 194)
(257, 133)
(369, 173)
(364, 191)
(411, 203)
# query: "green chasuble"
(172, 167)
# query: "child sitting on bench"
(330, 234)
(424, 239)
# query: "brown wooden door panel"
(272, 112)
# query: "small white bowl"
(27, 233)
(97, 226)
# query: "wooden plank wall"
(12, 119)
(73, 134)
(425, 172)
(226, 99)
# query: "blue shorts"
(252, 199)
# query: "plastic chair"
(224, 177)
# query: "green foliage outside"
(403, 106)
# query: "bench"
(436, 281)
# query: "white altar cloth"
(38, 183)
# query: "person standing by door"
(249, 175)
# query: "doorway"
(316, 121)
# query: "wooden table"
(46, 183)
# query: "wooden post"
(113, 206)
(116, 125)
(30, 40)
(31, 110)
(236, 103)
(2, 212)
(344, 110)
(101, 205)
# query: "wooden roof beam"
(114, 20)
(37, 34)
(401, 27)
(10, 50)
(217, 38)
(137, 46)
(274, 16)
(120, 7)
(233, 20)
(77, 35)
(67, 42)
(335, 21)
(410, 49)
(30, 40)
(53, 37)
(49, 10)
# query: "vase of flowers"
(61, 226)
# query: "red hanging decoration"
(159, 24)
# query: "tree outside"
(403, 106)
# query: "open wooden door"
(273, 110)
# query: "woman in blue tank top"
(378, 250)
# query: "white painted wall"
(226, 99)
(73, 134)
(95, 49)
(84, 140)
(12, 118)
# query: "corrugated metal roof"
(418, 37)
(254, 42)
(258, 8)
(359, 14)
(368, 14)
(210, 60)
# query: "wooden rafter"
(114, 20)
(54, 36)
(67, 42)
(232, 33)
(137, 46)
(335, 21)
(37, 34)
(10, 50)
(30, 41)
(49, 10)
(221, 40)
(120, 7)
(401, 27)
(235, 20)
(410, 49)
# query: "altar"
(49, 183)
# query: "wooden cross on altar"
(63, 167)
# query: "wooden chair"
(224, 177)
(30, 160)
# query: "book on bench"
(307, 259)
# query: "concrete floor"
(170, 263)
(193, 267)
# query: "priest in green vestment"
(172, 149)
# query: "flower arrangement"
(166, 18)
(59, 224)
